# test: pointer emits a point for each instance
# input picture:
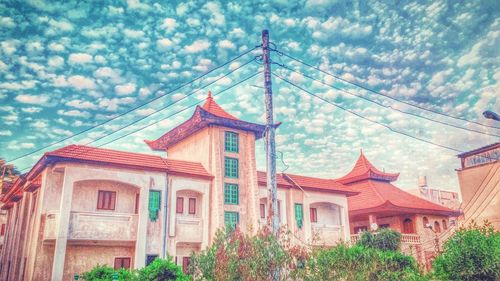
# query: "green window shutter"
(231, 194)
(299, 214)
(231, 142)
(231, 167)
(231, 219)
(154, 204)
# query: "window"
(154, 204)
(122, 263)
(2, 230)
(150, 259)
(230, 167)
(445, 225)
(136, 203)
(299, 214)
(106, 200)
(408, 226)
(314, 214)
(179, 209)
(262, 211)
(385, 225)
(192, 206)
(437, 227)
(425, 221)
(359, 229)
(231, 219)
(231, 194)
(231, 142)
(185, 264)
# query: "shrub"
(162, 270)
(385, 239)
(236, 256)
(359, 263)
(105, 273)
(472, 253)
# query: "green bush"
(473, 253)
(385, 239)
(105, 273)
(162, 270)
(359, 263)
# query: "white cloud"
(169, 24)
(73, 113)
(56, 47)
(226, 44)
(31, 109)
(5, 133)
(81, 104)
(134, 34)
(125, 89)
(163, 44)
(40, 124)
(33, 99)
(7, 22)
(55, 61)
(62, 25)
(197, 46)
(79, 58)
(81, 82)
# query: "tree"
(385, 239)
(472, 253)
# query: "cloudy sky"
(68, 66)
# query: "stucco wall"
(85, 195)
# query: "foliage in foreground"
(235, 256)
(158, 270)
(385, 239)
(473, 253)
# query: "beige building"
(81, 206)
(479, 179)
(442, 197)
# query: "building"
(442, 197)
(479, 179)
(380, 204)
(80, 206)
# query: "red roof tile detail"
(211, 106)
(376, 195)
(363, 170)
(307, 183)
(130, 159)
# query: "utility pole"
(270, 136)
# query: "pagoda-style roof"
(364, 170)
(378, 196)
(210, 113)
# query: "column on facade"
(142, 228)
(344, 223)
(371, 220)
(63, 226)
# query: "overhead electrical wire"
(379, 93)
(135, 107)
(383, 105)
(166, 117)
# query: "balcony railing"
(412, 239)
(94, 226)
(328, 235)
(189, 229)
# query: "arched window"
(445, 225)
(408, 226)
(437, 227)
(426, 221)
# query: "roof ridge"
(376, 191)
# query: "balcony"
(406, 239)
(85, 226)
(328, 235)
(189, 229)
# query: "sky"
(68, 66)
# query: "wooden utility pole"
(270, 136)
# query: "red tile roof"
(363, 170)
(290, 180)
(208, 114)
(380, 196)
(129, 159)
(211, 106)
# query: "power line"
(382, 105)
(368, 119)
(381, 94)
(136, 107)
(171, 115)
